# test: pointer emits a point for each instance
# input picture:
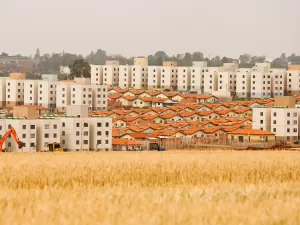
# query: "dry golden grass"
(220, 187)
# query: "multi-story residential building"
(293, 80)
(75, 133)
(100, 133)
(3, 91)
(48, 131)
(243, 83)
(278, 77)
(169, 75)
(184, 79)
(284, 122)
(226, 84)
(63, 95)
(210, 79)
(26, 131)
(125, 77)
(31, 92)
(96, 74)
(99, 97)
(14, 92)
(261, 83)
(111, 73)
(261, 118)
(81, 94)
(139, 77)
(47, 94)
(197, 76)
(154, 77)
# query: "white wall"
(125, 77)
(48, 131)
(293, 82)
(63, 96)
(47, 94)
(99, 97)
(15, 91)
(111, 75)
(101, 133)
(31, 92)
(169, 77)
(243, 83)
(139, 77)
(197, 78)
(184, 79)
(154, 77)
(210, 79)
(96, 74)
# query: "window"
(63, 133)
(106, 141)
(288, 122)
(63, 124)
(288, 130)
(274, 130)
(46, 135)
(77, 125)
(55, 126)
(261, 122)
(99, 125)
(32, 127)
(77, 142)
(85, 142)
(261, 113)
(295, 122)
(85, 133)
(32, 144)
(46, 126)
(274, 121)
(23, 135)
(55, 135)
(99, 133)
(98, 142)
(274, 114)
(77, 133)
(288, 114)
(295, 129)
(86, 125)
(106, 133)
(295, 114)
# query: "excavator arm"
(12, 132)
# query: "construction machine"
(55, 147)
(156, 147)
(12, 132)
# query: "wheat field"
(213, 187)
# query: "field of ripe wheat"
(216, 187)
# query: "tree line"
(50, 63)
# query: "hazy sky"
(140, 27)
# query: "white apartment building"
(100, 133)
(99, 97)
(96, 74)
(75, 133)
(243, 83)
(139, 77)
(293, 82)
(3, 91)
(63, 95)
(278, 77)
(210, 79)
(125, 77)
(111, 73)
(169, 77)
(14, 92)
(48, 131)
(81, 94)
(197, 76)
(284, 122)
(154, 77)
(226, 84)
(261, 119)
(184, 79)
(31, 92)
(261, 83)
(47, 94)
(26, 131)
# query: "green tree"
(37, 54)
(80, 68)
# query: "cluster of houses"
(181, 119)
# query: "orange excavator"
(12, 132)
